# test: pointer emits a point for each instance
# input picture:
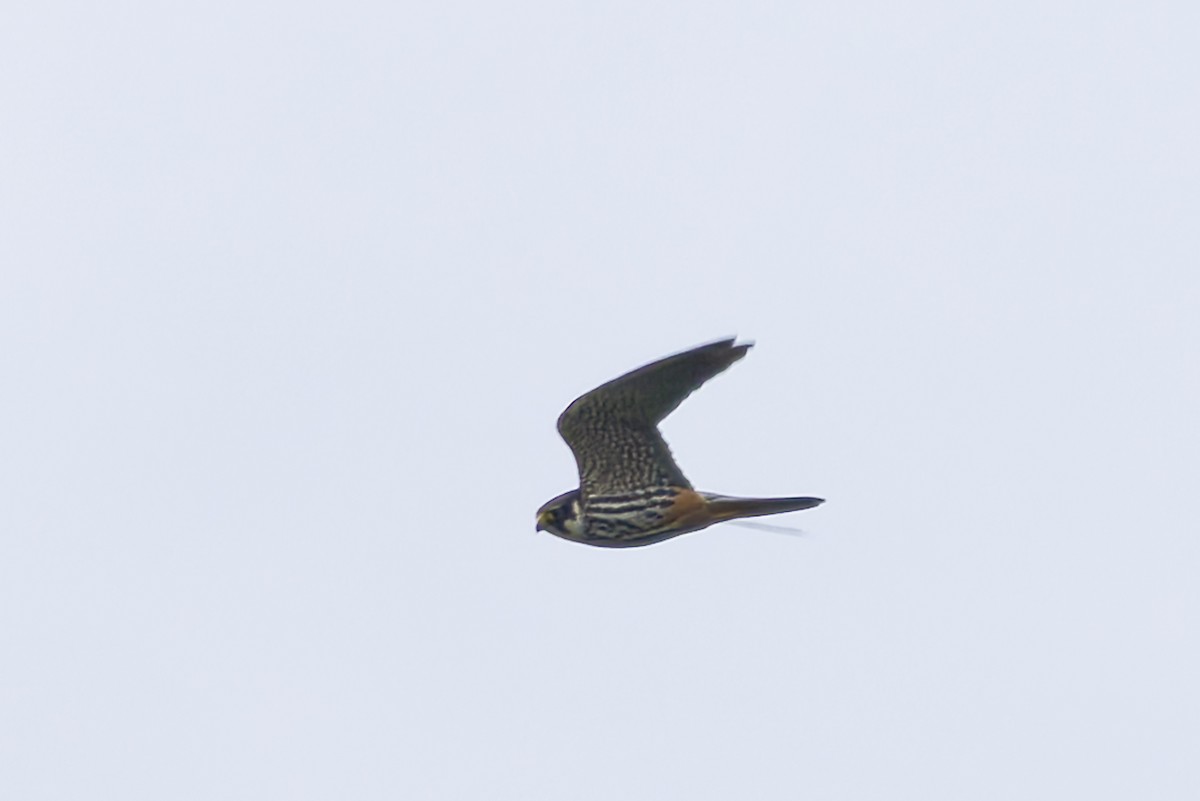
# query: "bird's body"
(631, 491)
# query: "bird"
(631, 493)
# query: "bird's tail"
(723, 507)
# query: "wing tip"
(728, 347)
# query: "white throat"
(574, 524)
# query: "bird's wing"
(613, 430)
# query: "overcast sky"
(292, 295)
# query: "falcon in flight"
(631, 492)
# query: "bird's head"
(562, 516)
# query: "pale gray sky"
(291, 297)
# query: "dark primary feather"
(613, 429)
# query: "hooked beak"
(543, 522)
